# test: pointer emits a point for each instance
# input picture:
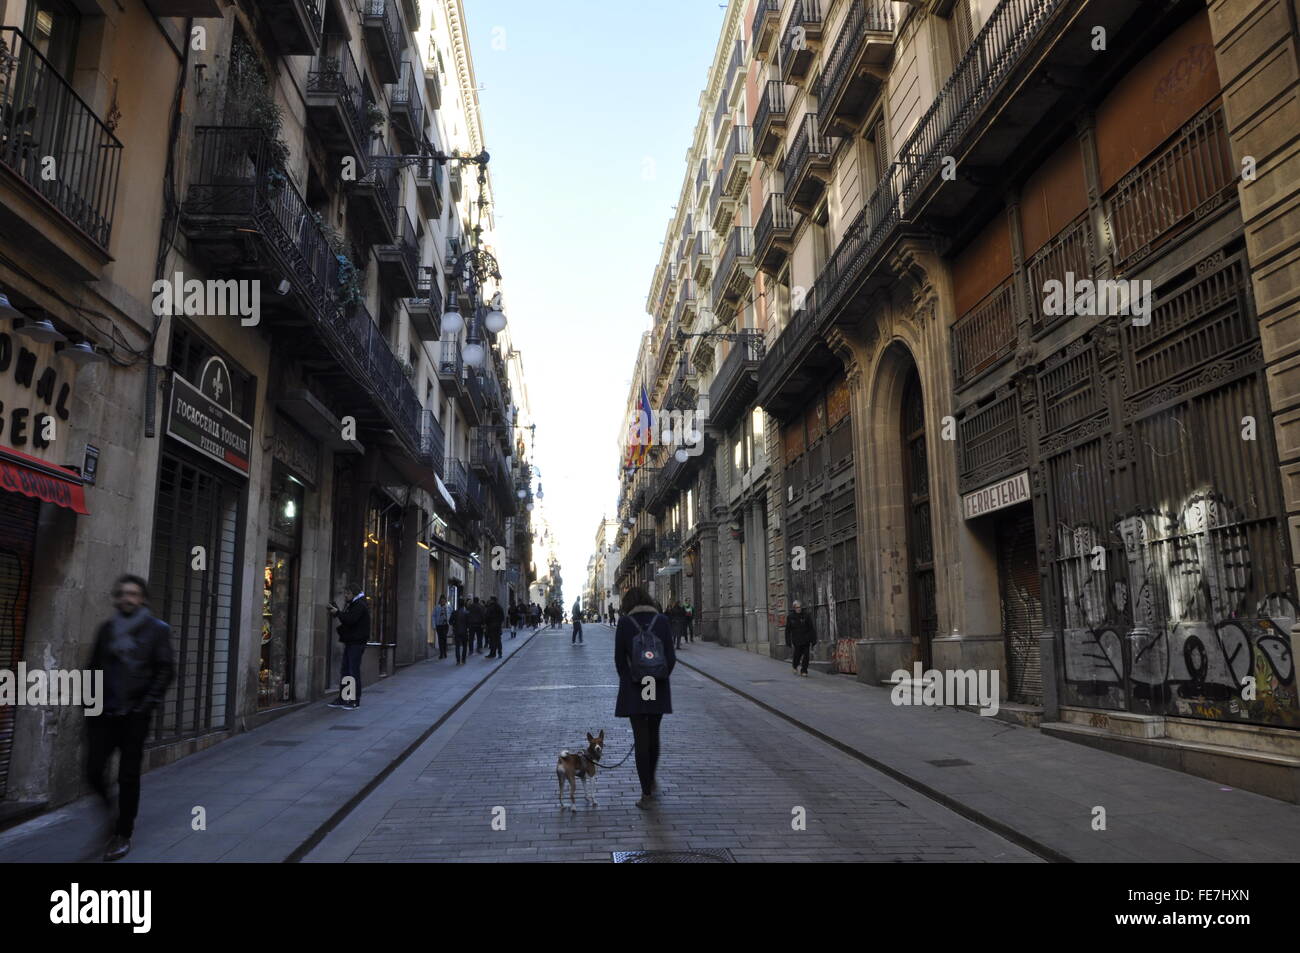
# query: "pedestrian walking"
(514, 615)
(800, 634)
(476, 624)
(644, 658)
(611, 613)
(134, 651)
(493, 618)
(577, 623)
(677, 618)
(441, 620)
(690, 621)
(460, 633)
(354, 632)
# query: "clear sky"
(589, 107)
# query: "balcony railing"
(334, 78)
(384, 35)
(767, 14)
(400, 261)
(296, 24)
(737, 254)
(735, 70)
(803, 29)
(1012, 28)
(701, 256)
(451, 366)
(736, 160)
(843, 89)
(41, 118)
(809, 157)
(235, 184)
(769, 120)
(985, 334)
(773, 232)
(1068, 252)
(425, 306)
(1186, 178)
(407, 107)
(432, 442)
(735, 384)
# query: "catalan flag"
(641, 433)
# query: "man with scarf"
(134, 651)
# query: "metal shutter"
(1022, 605)
(17, 544)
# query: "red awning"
(20, 473)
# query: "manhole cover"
(708, 855)
(950, 763)
(280, 744)
(346, 727)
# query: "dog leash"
(601, 764)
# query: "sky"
(588, 108)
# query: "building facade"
(1022, 272)
(252, 461)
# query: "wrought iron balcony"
(425, 307)
(399, 262)
(374, 201)
(236, 192)
(432, 443)
(451, 367)
(735, 72)
(807, 165)
(472, 399)
(736, 383)
(428, 185)
(296, 24)
(336, 101)
(684, 310)
(737, 160)
(701, 256)
(855, 66)
(802, 35)
(642, 542)
(483, 449)
(701, 180)
(769, 120)
(767, 20)
(984, 335)
(385, 38)
(42, 118)
(407, 109)
(722, 206)
(774, 234)
(735, 271)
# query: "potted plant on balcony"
(348, 292)
(374, 116)
(250, 101)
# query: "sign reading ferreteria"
(197, 419)
(1004, 493)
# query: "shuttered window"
(17, 545)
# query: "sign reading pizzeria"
(999, 495)
(202, 418)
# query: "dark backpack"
(648, 657)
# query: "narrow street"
(730, 776)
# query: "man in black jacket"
(493, 617)
(134, 651)
(460, 632)
(354, 633)
(800, 634)
(476, 624)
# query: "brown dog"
(581, 764)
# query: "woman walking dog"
(644, 657)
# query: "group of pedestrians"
(474, 625)
(682, 619)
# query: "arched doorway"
(920, 539)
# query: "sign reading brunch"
(201, 417)
(35, 398)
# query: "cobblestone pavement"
(731, 776)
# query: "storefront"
(197, 541)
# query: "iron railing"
(384, 14)
(336, 74)
(775, 217)
(740, 144)
(408, 244)
(432, 442)
(771, 107)
(876, 16)
(762, 10)
(382, 178)
(985, 334)
(805, 19)
(43, 119)
(700, 251)
(740, 245)
(742, 360)
(406, 94)
(1070, 252)
(808, 144)
(451, 365)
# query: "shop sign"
(295, 450)
(999, 495)
(198, 419)
(35, 397)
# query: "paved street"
(731, 775)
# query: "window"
(960, 30)
(52, 27)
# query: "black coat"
(354, 622)
(630, 701)
(799, 629)
(493, 616)
(460, 623)
(143, 675)
(475, 612)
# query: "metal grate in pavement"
(280, 744)
(950, 763)
(347, 727)
(706, 855)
